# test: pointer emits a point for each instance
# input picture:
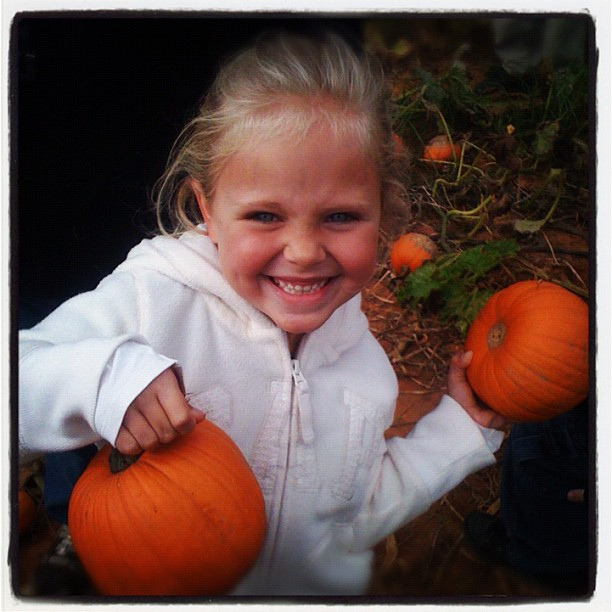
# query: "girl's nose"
(304, 249)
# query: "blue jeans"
(62, 470)
(549, 535)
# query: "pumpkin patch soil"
(429, 558)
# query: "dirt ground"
(429, 558)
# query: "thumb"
(458, 364)
(462, 359)
(197, 415)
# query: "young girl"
(249, 313)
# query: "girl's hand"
(459, 389)
(157, 416)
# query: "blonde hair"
(281, 85)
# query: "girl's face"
(296, 226)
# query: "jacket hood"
(192, 260)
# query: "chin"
(300, 329)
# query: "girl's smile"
(300, 287)
(296, 225)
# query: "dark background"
(96, 102)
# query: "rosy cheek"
(367, 269)
(361, 256)
(246, 255)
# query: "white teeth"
(294, 289)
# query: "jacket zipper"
(304, 407)
(304, 416)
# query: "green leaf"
(525, 226)
(419, 284)
(474, 263)
(453, 280)
(545, 139)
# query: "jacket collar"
(192, 260)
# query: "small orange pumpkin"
(439, 148)
(26, 511)
(410, 251)
(187, 518)
(530, 351)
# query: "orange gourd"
(410, 251)
(26, 511)
(187, 518)
(530, 351)
(439, 148)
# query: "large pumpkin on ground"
(185, 519)
(530, 345)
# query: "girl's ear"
(204, 207)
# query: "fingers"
(198, 415)
(458, 387)
(456, 372)
(462, 359)
(487, 418)
(175, 415)
(158, 415)
(126, 443)
(461, 391)
(149, 424)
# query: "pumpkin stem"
(118, 461)
(496, 335)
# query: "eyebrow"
(326, 208)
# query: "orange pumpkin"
(185, 519)
(26, 511)
(410, 251)
(530, 345)
(439, 148)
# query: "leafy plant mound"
(516, 187)
(450, 284)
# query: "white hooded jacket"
(312, 428)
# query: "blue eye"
(341, 217)
(264, 217)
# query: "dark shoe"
(487, 534)
(60, 572)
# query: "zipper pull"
(304, 407)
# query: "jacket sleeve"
(70, 393)
(444, 447)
